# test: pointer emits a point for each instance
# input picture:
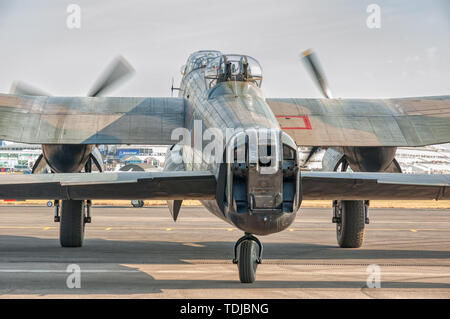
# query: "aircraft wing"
(365, 122)
(89, 120)
(202, 185)
(121, 185)
(361, 186)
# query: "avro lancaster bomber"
(231, 147)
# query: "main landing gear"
(350, 217)
(74, 215)
(248, 257)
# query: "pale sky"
(407, 56)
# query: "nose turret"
(262, 193)
(233, 67)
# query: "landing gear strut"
(350, 217)
(87, 218)
(56, 218)
(248, 257)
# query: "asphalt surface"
(141, 252)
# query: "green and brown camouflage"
(222, 92)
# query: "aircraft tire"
(247, 261)
(71, 228)
(350, 229)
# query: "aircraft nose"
(266, 223)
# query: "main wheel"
(247, 261)
(71, 228)
(351, 223)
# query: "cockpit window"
(200, 59)
(233, 68)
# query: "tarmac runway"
(141, 253)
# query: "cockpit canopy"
(199, 60)
(233, 67)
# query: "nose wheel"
(248, 257)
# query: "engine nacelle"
(362, 159)
(66, 158)
(369, 159)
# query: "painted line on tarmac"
(194, 245)
(65, 271)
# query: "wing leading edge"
(362, 186)
(202, 185)
(121, 185)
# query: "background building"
(433, 159)
(17, 157)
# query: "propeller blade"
(39, 165)
(19, 87)
(312, 64)
(312, 151)
(117, 71)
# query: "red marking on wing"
(305, 120)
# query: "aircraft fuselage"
(254, 201)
